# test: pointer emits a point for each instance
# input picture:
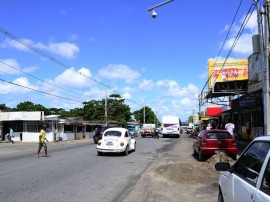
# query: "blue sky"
(83, 46)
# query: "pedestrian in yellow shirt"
(42, 143)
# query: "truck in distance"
(170, 126)
(148, 130)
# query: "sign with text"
(229, 70)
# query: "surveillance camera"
(154, 14)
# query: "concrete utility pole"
(143, 114)
(106, 107)
(266, 106)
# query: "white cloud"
(147, 85)
(64, 49)
(95, 94)
(74, 78)
(244, 43)
(128, 89)
(243, 46)
(11, 66)
(122, 72)
(7, 88)
(169, 88)
(6, 65)
(127, 95)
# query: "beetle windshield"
(113, 133)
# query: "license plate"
(219, 150)
(109, 144)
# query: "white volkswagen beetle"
(116, 140)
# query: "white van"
(170, 126)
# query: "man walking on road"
(11, 136)
(230, 126)
(42, 143)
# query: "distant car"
(98, 133)
(249, 178)
(189, 129)
(133, 132)
(210, 142)
(116, 140)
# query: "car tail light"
(99, 143)
(122, 144)
(234, 143)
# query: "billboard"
(229, 70)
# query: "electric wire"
(35, 83)
(39, 79)
(39, 91)
(247, 17)
(227, 35)
(29, 46)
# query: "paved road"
(159, 170)
(73, 172)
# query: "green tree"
(94, 110)
(147, 113)
(29, 106)
(4, 107)
(57, 111)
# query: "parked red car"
(209, 142)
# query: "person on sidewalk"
(230, 126)
(11, 136)
(42, 143)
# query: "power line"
(39, 91)
(39, 79)
(227, 35)
(29, 46)
(247, 17)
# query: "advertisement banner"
(231, 70)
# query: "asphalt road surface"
(157, 171)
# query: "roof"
(262, 138)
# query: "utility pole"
(106, 107)
(143, 114)
(266, 106)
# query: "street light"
(106, 108)
(154, 14)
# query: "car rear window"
(113, 133)
(218, 135)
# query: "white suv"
(248, 179)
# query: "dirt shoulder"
(178, 176)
